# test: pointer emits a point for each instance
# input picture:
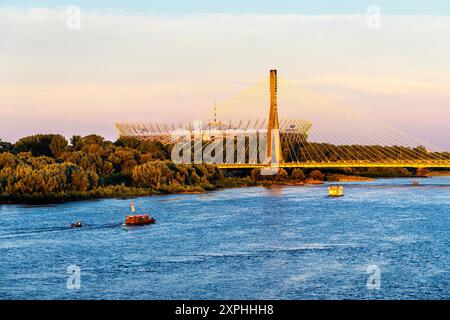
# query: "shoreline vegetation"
(438, 174)
(46, 168)
(347, 178)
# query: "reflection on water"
(261, 243)
(275, 191)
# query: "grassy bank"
(118, 191)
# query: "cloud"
(124, 66)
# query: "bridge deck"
(341, 164)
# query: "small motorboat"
(76, 224)
(335, 191)
(138, 219)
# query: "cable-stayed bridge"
(328, 135)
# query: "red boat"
(138, 219)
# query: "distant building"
(290, 130)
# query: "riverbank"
(119, 192)
(347, 178)
(438, 173)
(47, 169)
(126, 192)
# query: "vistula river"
(383, 240)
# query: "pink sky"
(173, 68)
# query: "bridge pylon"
(273, 130)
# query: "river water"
(245, 243)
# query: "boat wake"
(28, 232)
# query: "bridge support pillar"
(273, 129)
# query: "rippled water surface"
(248, 243)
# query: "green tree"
(7, 160)
(5, 146)
(128, 142)
(76, 143)
(281, 174)
(255, 174)
(155, 175)
(93, 139)
(57, 145)
(421, 172)
(298, 174)
(50, 145)
(317, 175)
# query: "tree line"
(47, 167)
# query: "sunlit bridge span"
(313, 131)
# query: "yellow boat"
(335, 191)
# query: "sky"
(421, 7)
(156, 61)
